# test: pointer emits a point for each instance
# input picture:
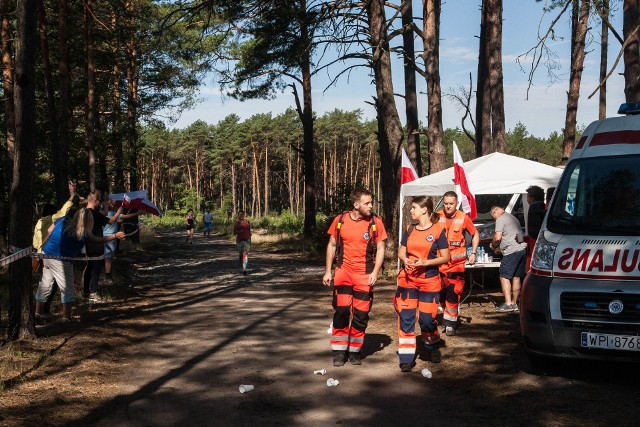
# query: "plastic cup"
(245, 388)
(332, 383)
(320, 372)
(426, 373)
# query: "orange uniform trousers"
(352, 300)
(422, 294)
(453, 283)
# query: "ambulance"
(581, 298)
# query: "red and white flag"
(136, 200)
(408, 172)
(467, 199)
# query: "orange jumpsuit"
(352, 295)
(419, 287)
(453, 272)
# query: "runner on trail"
(242, 230)
(356, 244)
(208, 223)
(191, 221)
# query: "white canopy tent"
(495, 173)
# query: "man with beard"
(356, 246)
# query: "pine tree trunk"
(64, 121)
(604, 49)
(21, 324)
(89, 136)
(483, 102)
(8, 147)
(60, 182)
(577, 64)
(632, 51)
(266, 180)
(410, 91)
(494, 56)
(390, 132)
(435, 132)
(306, 117)
(116, 140)
(132, 96)
(7, 78)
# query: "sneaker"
(515, 307)
(405, 367)
(338, 358)
(450, 331)
(505, 308)
(41, 319)
(354, 358)
(94, 297)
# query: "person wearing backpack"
(356, 246)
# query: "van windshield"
(598, 196)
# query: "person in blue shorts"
(208, 223)
(509, 240)
(109, 230)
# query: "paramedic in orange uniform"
(423, 249)
(357, 246)
(455, 223)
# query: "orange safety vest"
(455, 238)
(372, 247)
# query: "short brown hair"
(358, 192)
(450, 194)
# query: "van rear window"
(598, 196)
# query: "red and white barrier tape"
(21, 253)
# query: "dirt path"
(175, 348)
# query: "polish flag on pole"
(408, 172)
(136, 200)
(467, 199)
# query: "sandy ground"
(174, 349)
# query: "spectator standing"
(456, 223)
(93, 269)
(356, 243)
(423, 249)
(208, 223)
(41, 233)
(109, 230)
(67, 236)
(535, 217)
(509, 241)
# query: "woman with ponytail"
(66, 238)
(423, 248)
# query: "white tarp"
(494, 173)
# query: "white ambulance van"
(581, 298)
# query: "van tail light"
(543, 255)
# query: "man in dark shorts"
(508, 239)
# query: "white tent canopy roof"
(495, 173)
